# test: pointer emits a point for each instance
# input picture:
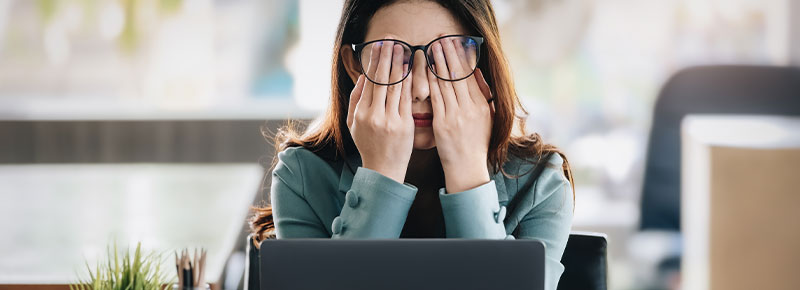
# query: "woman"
(418, 140)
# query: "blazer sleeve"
(375, 207)
(476, 213)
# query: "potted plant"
(137, 272)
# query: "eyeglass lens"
(454, 48)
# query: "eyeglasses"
(467, 50)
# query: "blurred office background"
(194, 81)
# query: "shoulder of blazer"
(532, 182)
(521, 170)
(300, 156)
(303, 165)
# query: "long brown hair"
(330, 133)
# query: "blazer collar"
(353, 161)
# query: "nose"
(419, 85)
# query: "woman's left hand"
(462, 120)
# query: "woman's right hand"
(379, 116)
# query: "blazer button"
(352, 198)
(500, 215)
(337, 225)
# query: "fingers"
(366, 93)
(472, 55)
(382, 76)
(468, 63)
(405, 99)
(355, 97)
(462, 55)
(451, 57)
(446, 89)
(437, 102)
(455, 67)
(397, 71)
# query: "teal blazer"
(314, 197)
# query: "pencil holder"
(203, 287)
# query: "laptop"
(401, 264)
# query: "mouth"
(422, 119)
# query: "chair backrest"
(705, 90)
(585, 262)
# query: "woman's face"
(416, 23)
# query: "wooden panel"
(136, 141)
(754, 218)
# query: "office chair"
(724, 89)
(584, 260)
(761, 90)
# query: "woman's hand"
(379, 117)
(462, 120)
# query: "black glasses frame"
(357, 48)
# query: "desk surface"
(53, 218)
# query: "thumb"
(355, 97)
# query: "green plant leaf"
(123, 271)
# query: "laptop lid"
(401, 264)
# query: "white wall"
(783, 32)
(794, 32)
